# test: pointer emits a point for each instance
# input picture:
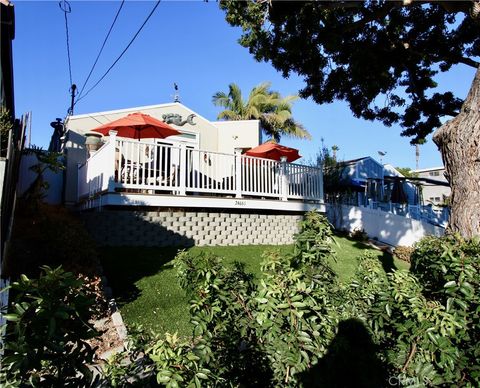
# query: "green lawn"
(146, 288)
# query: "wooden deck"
(140, 173)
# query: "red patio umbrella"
(274, 151)
(138, 126)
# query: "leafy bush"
(447, 260)
(6, 125)
(427, 323)
(45, 342)
(403, 253)
(247, 333)
(46, 161)
(298, 326)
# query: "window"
(434, 173)
(188, 135)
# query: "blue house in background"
(371, 181)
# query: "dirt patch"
(107, 343)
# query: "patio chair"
(170, 179)
(132, 165)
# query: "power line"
(66, 8)
(123, 52)
(101, 49)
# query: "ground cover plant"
(148, 292)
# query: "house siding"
(188, 228)
(434, 194)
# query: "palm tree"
(335, 148)
(273, 110)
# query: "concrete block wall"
(188, 228)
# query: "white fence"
(53, 195)
(386, 227)
(129, 164)
(434, 215)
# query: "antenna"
(176, 96)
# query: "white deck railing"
(123, 164)
(97, 173)
(434, 215)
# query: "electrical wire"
(66, 8)
(101, 49)
(122, 53)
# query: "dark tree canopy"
(379, 56)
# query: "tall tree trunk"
(459, 142)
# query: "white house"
(194, 188)
(435, 190)
(201, 167)
(197, 133)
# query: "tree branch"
(466, 61)
(379, 14)
(447, 58)
(342, 4)
(413, 349)
(448, 6)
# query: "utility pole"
(417, 155)
(73, 91)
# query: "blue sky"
(187, 42)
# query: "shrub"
(253, 334)
(359, 235)
(427, 323)
(6, 125)
(46, 161)
(297, 325)
(403, 253)
(447, 260)
(45, 342)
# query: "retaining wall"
(187, 228)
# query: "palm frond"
(228, 115)
(272, 109)
(221, 99)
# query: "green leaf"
(450, 284)
(11, 317)
(161, 379)
(201, 375)
(387, 309)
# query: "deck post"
(238, 173)
(183, 169)
(110, 173)
(284, 179)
